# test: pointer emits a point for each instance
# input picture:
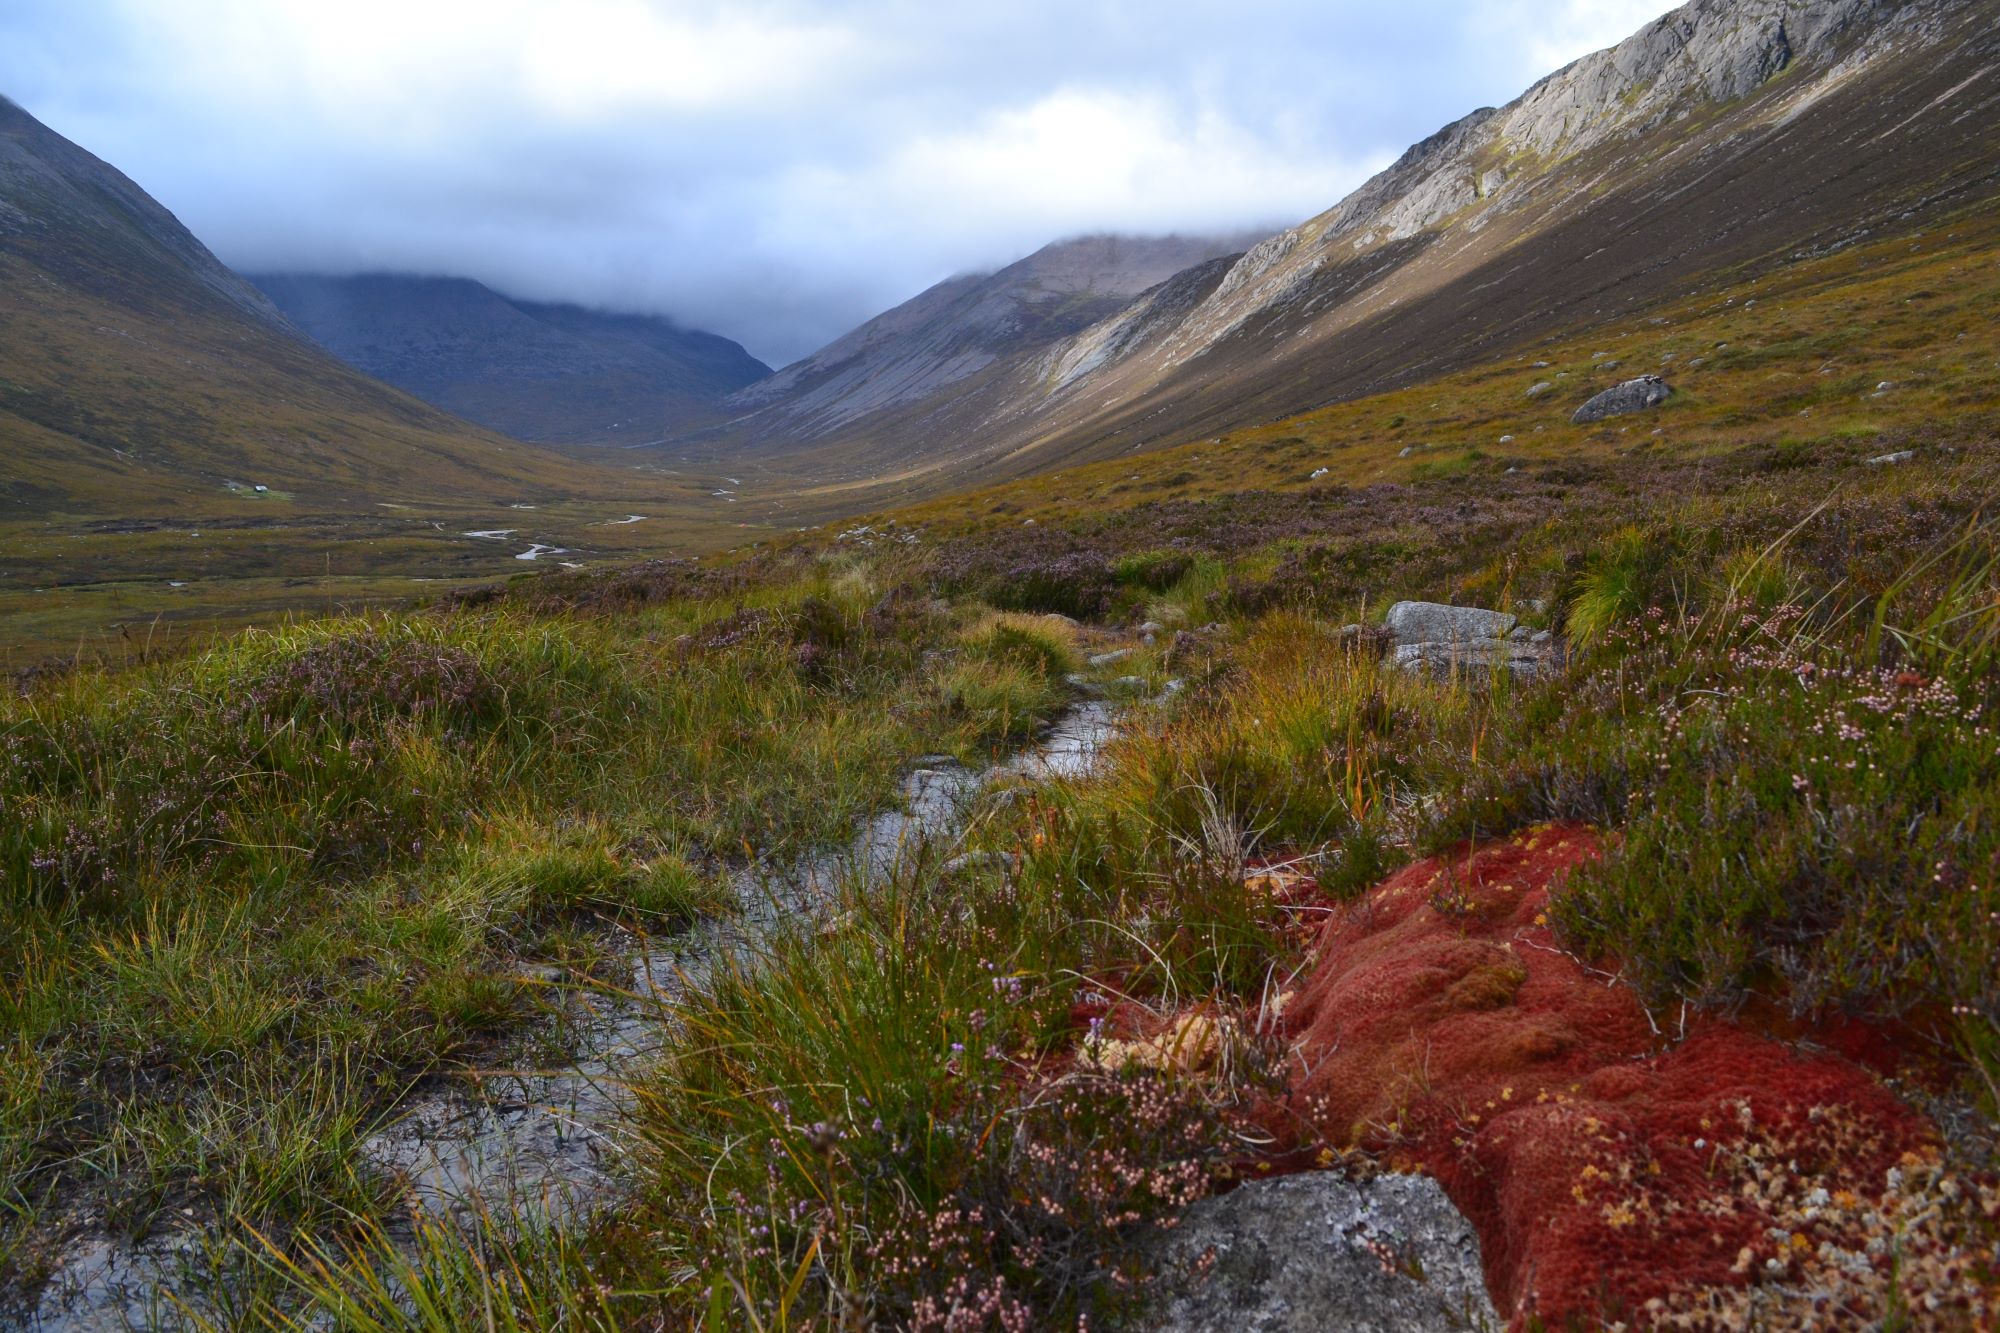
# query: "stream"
(551, 1139)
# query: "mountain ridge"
(958, 328)
(1725, 133)
(546, 372)
(139, 375)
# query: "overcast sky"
(775, 170)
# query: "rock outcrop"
(1622, 400)
(1306, 1253)
(1445, 640)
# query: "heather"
(260, 893)
(253, 896)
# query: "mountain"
(555, 374)
(1723, 139)
(962, 331)
(139, 375)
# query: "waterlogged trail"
(552, 1138)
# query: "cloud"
(1574, 28)
(776, 170)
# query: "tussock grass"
(250, 896)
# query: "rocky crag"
(1725, 137)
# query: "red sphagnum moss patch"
(1616, 1174)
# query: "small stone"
(1890, 460)
(1112, 658)
(1538, 390)
(974, 862)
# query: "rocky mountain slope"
(1725, 138)
(138, 375)
(957, 332)
(556, 374)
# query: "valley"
(1434, 767)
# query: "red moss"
(1443, 1029)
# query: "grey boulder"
(1624, 399)
(1524, 659)
(1442, 640)
(1320, 1251)
(1434, 622)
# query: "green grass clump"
(1621, 580)
(1046, 647)
(1153, 571)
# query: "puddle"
(536, 551)
(494, 534)
(551, 1138)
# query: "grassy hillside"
(1821, 364)
(136, 443)
(262, 891)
